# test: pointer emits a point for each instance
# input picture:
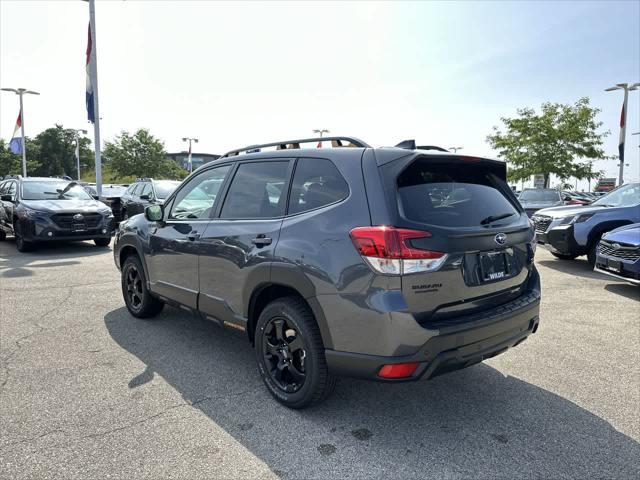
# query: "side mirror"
(7, 198)
(145, 197)
(153, 213)
(566, 198)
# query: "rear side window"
(257, 191)
(452, 195)
(316, 183)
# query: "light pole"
(623, 123)
(187, 139)
(320, 131)
(455, 149)
(78, 132)
(20, 92)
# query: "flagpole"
(94, 84)
(24, 146)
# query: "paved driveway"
(89, 392)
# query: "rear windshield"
(540, 195)
(452, 195)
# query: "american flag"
(16, 141)
(89, 65)
(621, 141)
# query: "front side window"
(196, 199)
(164, 188)
(316, 183)
(257, 191)
(133, 188)
(53, 191)
(625, 196)
(146, 189)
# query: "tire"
(290, 354)
(564, 256)
(137, 297)
(592, 252)
(21, 244)
(102, 242)
(3, 235)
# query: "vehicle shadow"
(625, 289)
(579, 267)
(20, 264)
(472, 423)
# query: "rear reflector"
(398, 370)
(388, 251)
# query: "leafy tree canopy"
(562, 140)
(140, 155)
(51, 152)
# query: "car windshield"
(539, 195)
(625, 196)
(164, 188)
(51, 190)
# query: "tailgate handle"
(261, 240)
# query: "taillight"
(388, 251)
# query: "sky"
(235, 74)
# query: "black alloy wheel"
(290, 354)
(21, 244)
(138, 299)
(284, 355)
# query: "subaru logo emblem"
(616, 246)
(501, 238)
(78, 216)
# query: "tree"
(140, 155)
(56, 154)
(11, 164)
(553, 142)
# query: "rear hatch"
(468, 214)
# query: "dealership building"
(198, 159)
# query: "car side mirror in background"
(7, 198)
(145, 197)
(153, 213)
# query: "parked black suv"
(388, 264)
(45, 209)
(145, 192)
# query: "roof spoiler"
(411, 145)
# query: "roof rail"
(295, 144)
(411, 145)
(7, 177)
(144, 179)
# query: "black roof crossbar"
(294, 144)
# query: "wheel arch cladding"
(268, 292)
(601, 228)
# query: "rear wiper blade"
(493, 218)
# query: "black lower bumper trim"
(445, 353)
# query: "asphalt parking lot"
(88, 391)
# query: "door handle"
(193, 236)
(261, 240)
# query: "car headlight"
(28, 213)
(582, 217)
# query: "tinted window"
(316, 183)
(540, 195)
(164, 188)
(625, 196)
(146, 189)
(256, 191)
(197, 198)
(11, 188)
(451, 195)
(2, 185)
(133, 188)
(53, 191)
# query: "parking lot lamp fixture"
(455, 149)
(20, 92)
(623, 123)
(189, 162)
(78, 131)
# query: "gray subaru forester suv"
(389, 264)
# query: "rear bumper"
(459, 345)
